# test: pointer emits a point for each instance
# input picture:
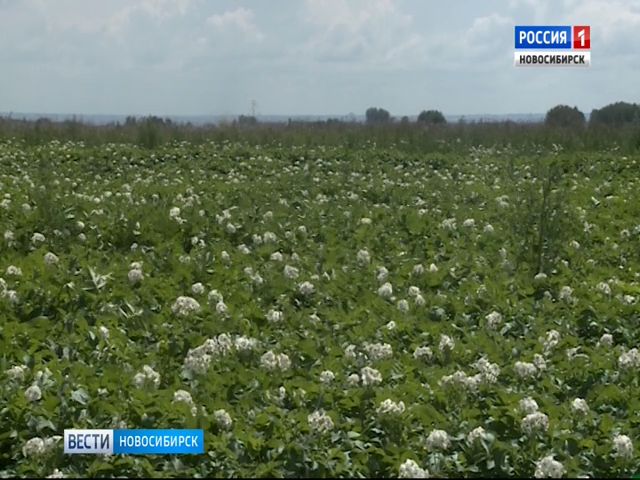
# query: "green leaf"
(80, 396)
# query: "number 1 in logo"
(581, 37)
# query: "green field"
(319, 311)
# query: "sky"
(305, 57)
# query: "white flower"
(566, 293)
(320, 422)
(223, 419)
(422, 352)
(449, 224)
(306, 288)
(535, 421)
(135, 276)
(52, 442)
(327, 377)
(403, 306)
(433, 268)
(43, 377)
(385, 291)
(353, 380)
(630, 359)
(606, 340)
(197, 361)
(103, 332)
(446, 343)
(147, 376)
(388, 406)
(414, 291)
(488, 228)
(37, 238)
(16, 372)
(528, 405)
(274, 316)
(184, 306)
(551, 340)
(370, 376)
(377, 351)
(57, 474)
(33, 393)
(182, 396)
(461, 379)
(197, 288)
(391, 325)
(493, 319)
(363, 257)
(214, 296)
(382, 273)
(539, 362)
(11, 295)
(14, 271)
(276, 257)
(291, 272)
(489, 372)
(417, 270)
(410, 469)
(628, 299)
(269, 237)
(350, 351)
(540, 276)
(271, 361)
(469, 223)
(438, 439)
(525, 369)
(34, 447)
(623, 446)
(50, 258)
(477, 433)
(549, 468)
(580, 405)
(279, 395)
(221, 308)
(604, 288)
(245, 344)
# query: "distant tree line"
(375, 115)
(615, 115)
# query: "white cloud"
(234, 22)
(360, 34)
(314, 56)
(164, 9)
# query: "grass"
(407, 137)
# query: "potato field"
(321, 312)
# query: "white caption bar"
(552, 59)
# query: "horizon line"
(170, 115)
